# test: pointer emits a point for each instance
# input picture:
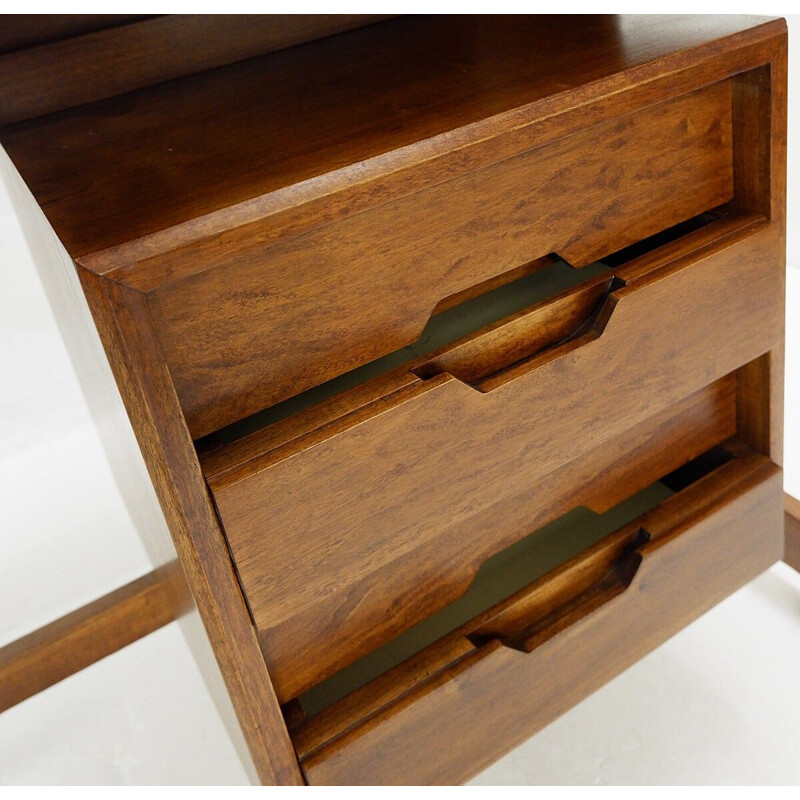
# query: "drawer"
(525, 661)
(352, 519)
(256, 321)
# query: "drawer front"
(332, 522)
(265, 320)
(524, 663)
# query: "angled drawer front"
(332, 517)
(266, 320)
(523, 663)
(454, 351)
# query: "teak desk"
(439, 359)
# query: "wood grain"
(59, 64)
(349, 292)
(300, 516)
(75, 641)
(245, 232)
(703, 546)
(144, 383)
(759, 130)
(116, 431)
(22, 31)
(320, 112)
(184, 249)
(445, 129)
(441, 569)
(792, 520)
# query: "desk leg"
(792, 553)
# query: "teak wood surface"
(345, 293)
(792, 548)
(48, 655)
(298, 269)
(244, 227)
(425, 457)
(701, 536)
(44, 66)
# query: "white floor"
(719, 703)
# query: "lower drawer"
(461, 703)
(354, 518)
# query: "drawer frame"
(212, 362)
(319, 577)
(119, 309)
(330, 299)
(533, 656)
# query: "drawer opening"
(567, 322)
(672, 234)
(480, 336)
(598, 581)
(526, 660)
(354, 519)
(450, 323)
(499, 353)
(511, 571)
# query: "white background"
(719, 703)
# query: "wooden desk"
(451, 349)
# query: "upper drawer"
(338, 516)
(257, 321)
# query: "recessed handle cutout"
(573, 594)
(480, 360)
(521, 318)
(458, 319)
(546, 582)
